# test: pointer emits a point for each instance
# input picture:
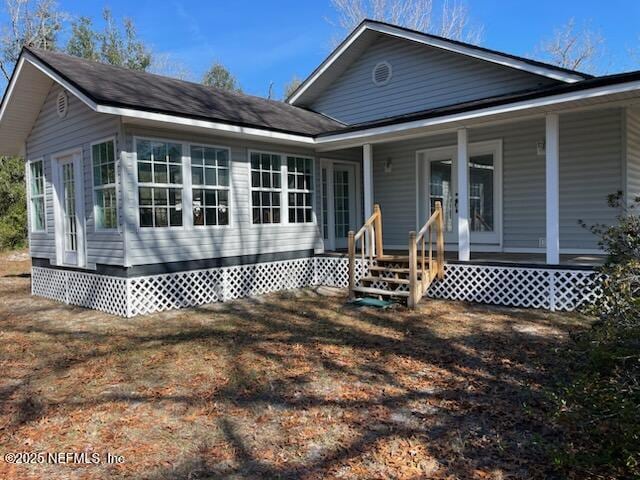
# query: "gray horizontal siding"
(423, 77)
(590, 169)
(633, 153)
(51, 135)
(148, 245)
(591, 150)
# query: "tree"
(113, 45)
(83, 40)
(573, 47)
(13, 212)
(218, 76)
(32, 24)
(451, 21)
(291, 87)
(164, 64)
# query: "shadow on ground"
(290, 385)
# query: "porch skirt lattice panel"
(188, 289)
(511, 286)
(518, 286)
(98, 292)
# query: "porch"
(584, 261)
(514, 192)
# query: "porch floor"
(577, 260)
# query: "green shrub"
(598, 410)
(13, 206)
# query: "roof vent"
(62, 104)
(381, 73)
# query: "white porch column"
(552, 169)
(367, 177)
(464, 239)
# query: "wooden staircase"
(396, 276)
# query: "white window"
(210, 185)
(281, 182)
(266, 187)
(159, 183)
(105, 208)
(300, 190)
(36, 193)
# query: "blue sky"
(270, 41)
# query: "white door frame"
(329, 163)
(57, 161)
(422, 185)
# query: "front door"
(69, 219)
(439, 183)
(340, 212)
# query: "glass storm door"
(440, 183)
(69, 223)
(339, 205)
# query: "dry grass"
(290, 385)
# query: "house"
(148, 193)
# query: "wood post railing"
(431, 268)
(371, 230)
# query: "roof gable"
(366, 33)
(421, 78)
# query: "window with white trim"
(159, 183)
(300, 189)
(36, 193)
(266, 187)
(105, 204)
(210, 184)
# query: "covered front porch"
(514, 191)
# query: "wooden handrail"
(435, 267)
(373, 230)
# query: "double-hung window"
(281, 182)
(104, 185)
(36, 191)
(159, 183)
(299, 189)
(210, 184)
(265, 187)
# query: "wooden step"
(402, 271)
(393, 258)
(399, 281)
(378, 291)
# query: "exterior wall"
(423, 77)
(241, 237)
(51, 135)
(632, 174)
(590, 169)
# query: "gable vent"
(62, 104)
(381, 73)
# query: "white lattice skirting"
(128, 297)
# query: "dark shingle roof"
(115, 86)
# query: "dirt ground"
(289, 385)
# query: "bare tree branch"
(572, 47)
(451, 21)
(32, 23)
